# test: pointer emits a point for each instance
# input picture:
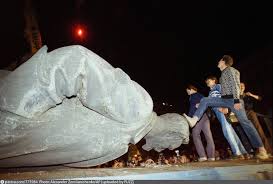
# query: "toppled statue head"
(69, 106)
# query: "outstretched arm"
(257, 97)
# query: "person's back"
(194, 100)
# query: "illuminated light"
(80, 32)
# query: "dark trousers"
(240, 132)
(252, 116)
(204, 126)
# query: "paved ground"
(61, 172)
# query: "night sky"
(162, 45)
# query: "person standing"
(203, 125)
(232, 138)
(249, 102)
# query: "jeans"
(204, 126)
(229, 133)
(248, 127)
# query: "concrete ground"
(263, 170)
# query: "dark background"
(162, 45)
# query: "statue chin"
(71, 107)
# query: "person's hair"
(211, 77)
(190, 86)
(228, 60)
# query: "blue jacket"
(194, 99)
(215, 91)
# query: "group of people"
(149, 161)
(170, 158)
(225, 97)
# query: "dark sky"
(162, 45)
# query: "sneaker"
(211, 159)
(247, 156)
(202, 159)
(191, 121)
(262, 155)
